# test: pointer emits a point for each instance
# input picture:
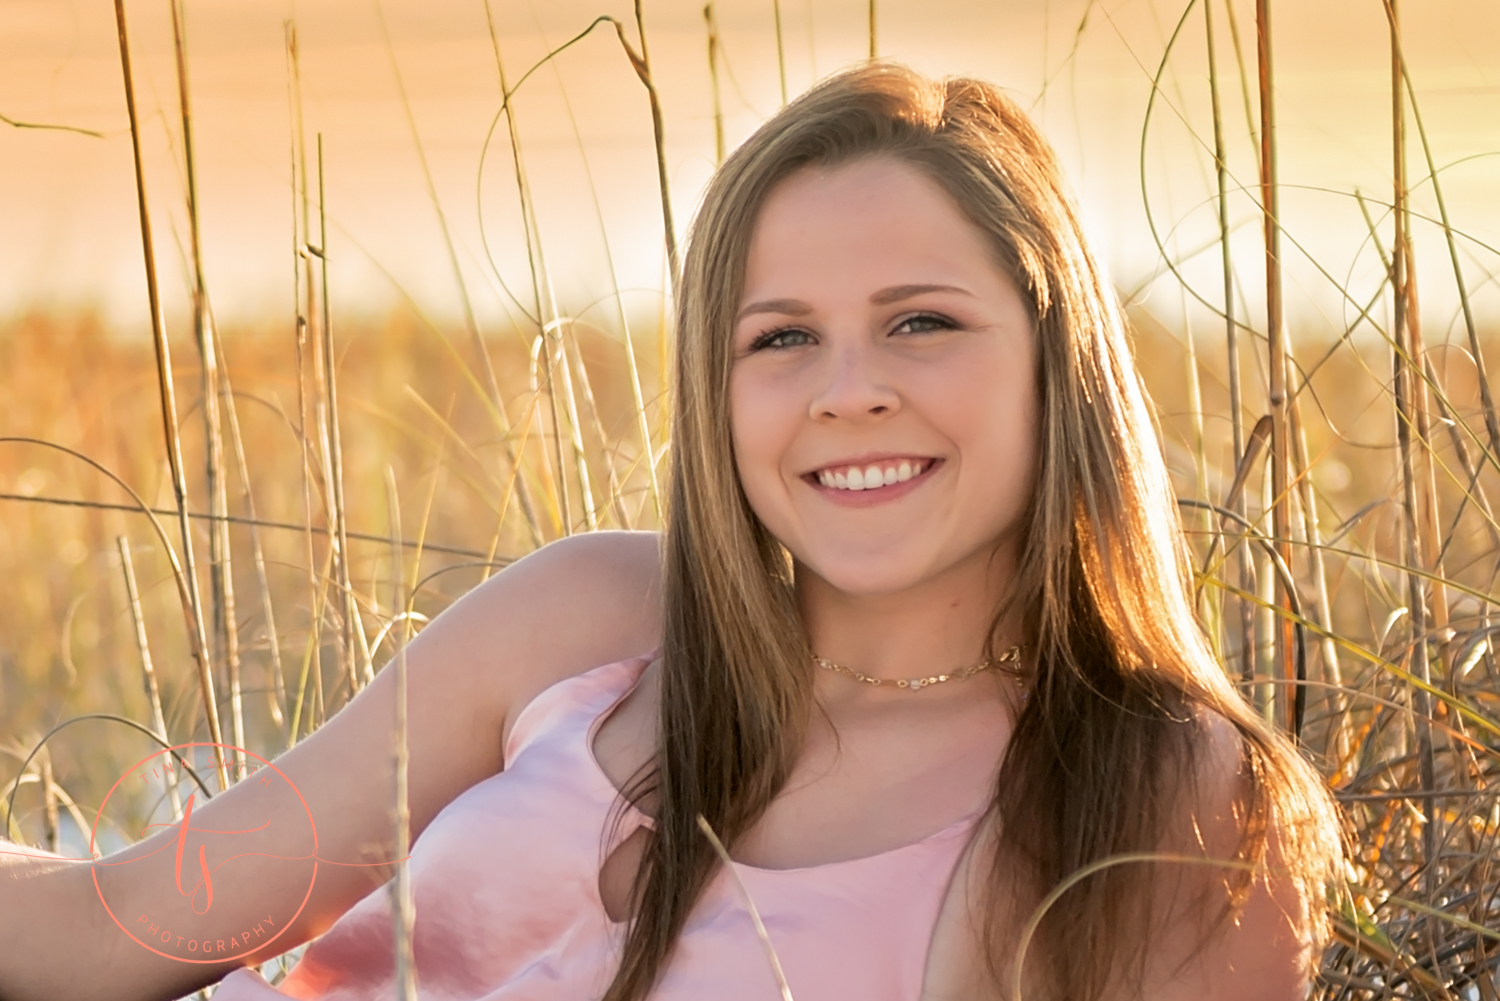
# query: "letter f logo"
(208, 883)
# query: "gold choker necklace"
(1009, 662)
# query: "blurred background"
(1083, 69)
(412, 337)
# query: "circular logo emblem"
(192, 926)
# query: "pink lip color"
(879, 495)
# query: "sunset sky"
(69, 238)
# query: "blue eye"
(779, 338)
(924, 322)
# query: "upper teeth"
(871, 476)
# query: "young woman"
(915, 644)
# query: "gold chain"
(1009, 657)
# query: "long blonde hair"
(1103, 750)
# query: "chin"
(870, 575)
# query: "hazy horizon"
(71, 239)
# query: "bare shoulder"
(1217, 780)
(1259, 949)
(572, 605)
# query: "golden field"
(340, 469)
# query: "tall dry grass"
(1337, 479)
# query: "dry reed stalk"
(491, 384)
(311, 663)
(535, 268)
(1474, 489)
(1458, 430)
(49, 127)
(1486, 393)
(1207, 612)
(780, 55)
(226, 621)
(552, 483)
(575, 426)
(13, 832)
(55, 795)
(197, 637)
(1278, 357)
(320, 353)
(1322, 607)
(1254, 571)
(353, 633)
(617, 499)
(470, 321)
(1267, 634)
(554, 375)
(148, 670)
(1221, 177)
(558, 372)
(510, 485)
(1294, 688)
(643, 423)
(760, 928)
(220, 570)
(49, 801)
(1407, 386)
(253, 523)
(402, 905)
(591, 414)
(303, 301)
(1429, 510)
(276, 690)
(1427, 375)
(713, 75)
(1244, 74)
(1247, 608)
(398, 601)
(641, 62)
(1242, 567)
(557, 357)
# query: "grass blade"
(220, 573)
(402, 905)
(198, 641)
(148, 671)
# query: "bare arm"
(571, 606)
(1263, 954)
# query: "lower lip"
(877, 495)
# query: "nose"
(853, 386)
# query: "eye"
(781, 337)
(924, 323)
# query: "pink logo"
(186, 929)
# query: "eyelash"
(765, 340)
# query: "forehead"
(875, 222)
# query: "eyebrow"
(896, 293)
(788, 307)
(885, 297)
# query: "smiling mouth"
(871, 476)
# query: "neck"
(937, 625)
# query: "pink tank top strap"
(588, 695)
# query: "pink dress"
(505, 882)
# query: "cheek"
(759, 435)
(994, 416)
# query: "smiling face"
(883, 402)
